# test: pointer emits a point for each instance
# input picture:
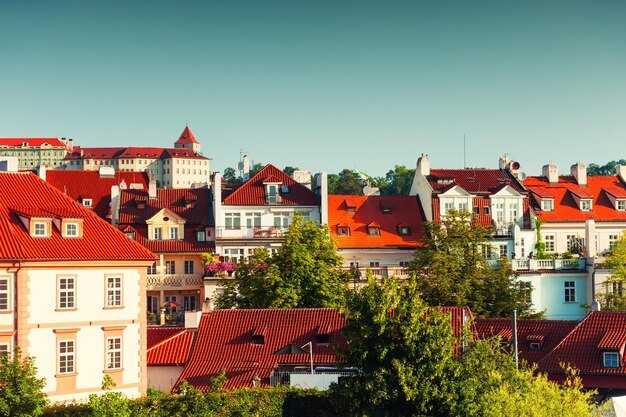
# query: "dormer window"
(322, 338)
(343, 229)
(373, 229)
(386, 208)
(200, 236)
(130, 235)
(158, 233)
(40, 229)
(71, 230)
(534, 345)
(284, 189)
(87, 202)
(404, 230)
(272, 187)
(547, 205)
(620, 205)
(174, 233)
(350, 207)
(258, 336)
(610, 360)
(585, 205)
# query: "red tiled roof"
(186, 137)
(160, 333)
(548, 332)
(173, 350)
(224, 341)
(475, 181)
(252, 192)
(89, 184)
(583, 348)
(405, 211)
(198, 214)
(31, 142)
(133, 152)
(565, 207)
(21, 191)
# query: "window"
(4, 294)
(114, 353)
(486, 210)
(131, 235)
(528, 290)
(66, 290)
(87, 202)
(547, 205)
(152, 269)
(504, 250)
(549, 239)
(40, 229)
(190, 303)
(570, 240)
(534, 346)
(570, 291)
(170, 267)
(322, 338)
(234, 254)
(613, 240)
(585, 205)
(253, 220)
(174, 233)
(374, 264)
(447, 207)
(272, 194)
(258, 339)
(188, 267)
(404, 230)
(281, 219)
(343, 230)
(173, 303)
(463, 206)
(476, 210)
(610, 359)
(66, 356)
(620, 205)
(513, 208)
(617, 287)
(200, 236)
(158, 233)
(114, 291)
(373, 230)
(4, 349)
(153, 304)
(233, 220)
(71, 230)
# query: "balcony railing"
(525, 264)
(382, 271)
(172, 280)
(319, 380)
(252, 232)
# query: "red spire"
(186, 137)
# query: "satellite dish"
(515, 165)
(522, 175)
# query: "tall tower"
(187, 141)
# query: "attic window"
(610, 360)
(585, 205)
(343, 230)
(200, 235)
(322, 338)
(71, 230)
(404, 230)
(130, 235)
(534, 345)
(373, 229)
(87, 202)
(141, 205)
(620, 205)
(190, 203)
(284, 189)
(385, 208)
(350, 207)
(40, 229)
(271, 194)
(258, 339)
(547, 205)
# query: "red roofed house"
(177, 225)
(33, 152)
(70, 291)
(583, 215)
(180, 167)
(379, 233)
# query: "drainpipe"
(514, 329)
(15, 305)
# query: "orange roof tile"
(565, 207)
(19, 192)
(172, 351)
(31, 142)
(473, 180)
(186, 137)
(157, 334)
(405, 211)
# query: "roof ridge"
(184, 330)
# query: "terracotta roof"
(565, 207)
(224, 341)
(583, 348)
(475, 181)
(405, 211)
(17, 142)
(157, 334)
(186, 137)
(192, 204)
(549, 332)
(172, 351)
(133, 152)
(89, 184)
(252, 192)
(19, 192)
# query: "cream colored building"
(33, 152)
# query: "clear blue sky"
(323, 85)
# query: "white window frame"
(114, 291)
(547, 205)
(613, 239)
(550, 242)
(114, 353)
(503, 249)
(173, 233)
(585, 204)
(620, 205)
(87, 202)
(71, 229)
(282, 220)
(610, 360)
(5, 294)
(40, 232)
(200, 236)
(569, 288)
(66, 297)
(157, 233)
(5, 348)
(66, 356)
(232, 221)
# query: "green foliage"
(452, 271)
(614, 297)
(289, 170)
(206, 257)
(303, 273)
(540, 247)
(20, 389)
(346, 182)
(230, 175)
(109, 404)
(607, 169)
(398, 181)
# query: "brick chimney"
(551, 172)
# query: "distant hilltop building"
(32, 152)
(179, 167)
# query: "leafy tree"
(109, 404)
(303, 273)
(289, 170)
(230, 175)
(614, 298)
(398, 181)
(606, 169)
(452, 271)
(255, 168)
(347, 182)
(20, 389)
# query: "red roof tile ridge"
(166, 340)
(186, 136)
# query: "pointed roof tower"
(187, 140)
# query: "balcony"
(320, 379)
(525, 264)
(169, 281)
(253, 232)
(382, 271)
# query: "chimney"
(70, 146)
(303, 177)
(8, 164)
(579, 172)
(423, 165)
(41, 171)
(621, 172)
(246, 168)
(115, 197)
(551, 172)
(152, 190)
(192, 319)
(503, 163)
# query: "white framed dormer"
(86, 202)
(507, 207)
(585, 204)
(617, 199)
(166, 225)
(455, 198)
(272, 190)
(72, 228)
(547, 204)
(583, 200)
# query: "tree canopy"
(303, 273)
(614, 297)
(452, 270)
(606, 169)
(20, 389)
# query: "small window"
(620, 205)
(534, 346)
(4, 294)
(71, 230)
(4, 349)
(114, 353)
(66, 290)
(200, 236)
(131, 235)
(404, 231)
(373, 231)
(610, 360)
(41, 229)
(66, 357)
(476, 210)
(284, 189)
(322, 339)
(504, 250)
(486, 210)
(114, 292)
(343, 231)
(87, 202)
(570, 291)
(374, 264)
(547, 205)
(258, 339)
(585, 205)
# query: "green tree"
(606, 169)
(346, 182)
(20, 389)
(452, 271)
(255, 168)
(303, 273)
(614, 297)
(398, 181)
(230, 175)
(289, 170)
